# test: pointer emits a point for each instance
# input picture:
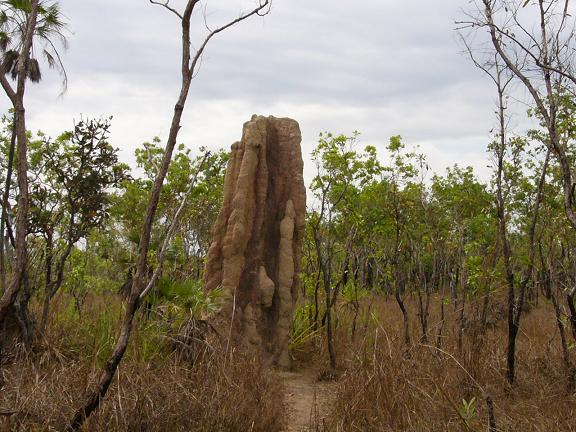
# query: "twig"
(166, 5)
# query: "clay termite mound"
(257, 238)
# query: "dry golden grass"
(383, 384)
(238, 396)
(387, 386)
(155, 389)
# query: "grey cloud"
(382, 67)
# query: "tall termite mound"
(257, 238)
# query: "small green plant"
(185, 296)
(302, 330)
(352, 294)
(468, 410)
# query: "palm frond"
(5, 41)
(50, 31)
(33, 70)
(9, 61)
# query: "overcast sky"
(382, 67)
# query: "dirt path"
(307, 399)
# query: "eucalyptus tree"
(557, 264)
(502, 77)
(341, 173)
(402, 197)
(534, 41)
(466, 217)
(189, 63)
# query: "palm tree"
(27, 28)
(49, 33)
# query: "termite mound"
(257, 238)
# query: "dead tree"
(189, 64)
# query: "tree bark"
(5, 198)
(17, 99)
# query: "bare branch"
(494, 30)
(167, 6)
(261, 10)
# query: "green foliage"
(185, 297)
(468, 410)
(352, 293)
(342, 171)
(302, 330)
(192, 237)
(399, 226)
(88, 271)
(71, 178)
(92, 337)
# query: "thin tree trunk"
(356, 306)
(462, 319)
(516, 306)
(325, 265)
(52, 286)
(442, 322)
(405, 317)
(188, 68)
(491, 417)
(17, 98)
(5, 198)
(93, 400)
(563, 342)
(572, 308)
(316, 302)
(423, 308)
(329, 330)
(506, 253)
(25, 321)
(47, 280)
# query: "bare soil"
(308, 400)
